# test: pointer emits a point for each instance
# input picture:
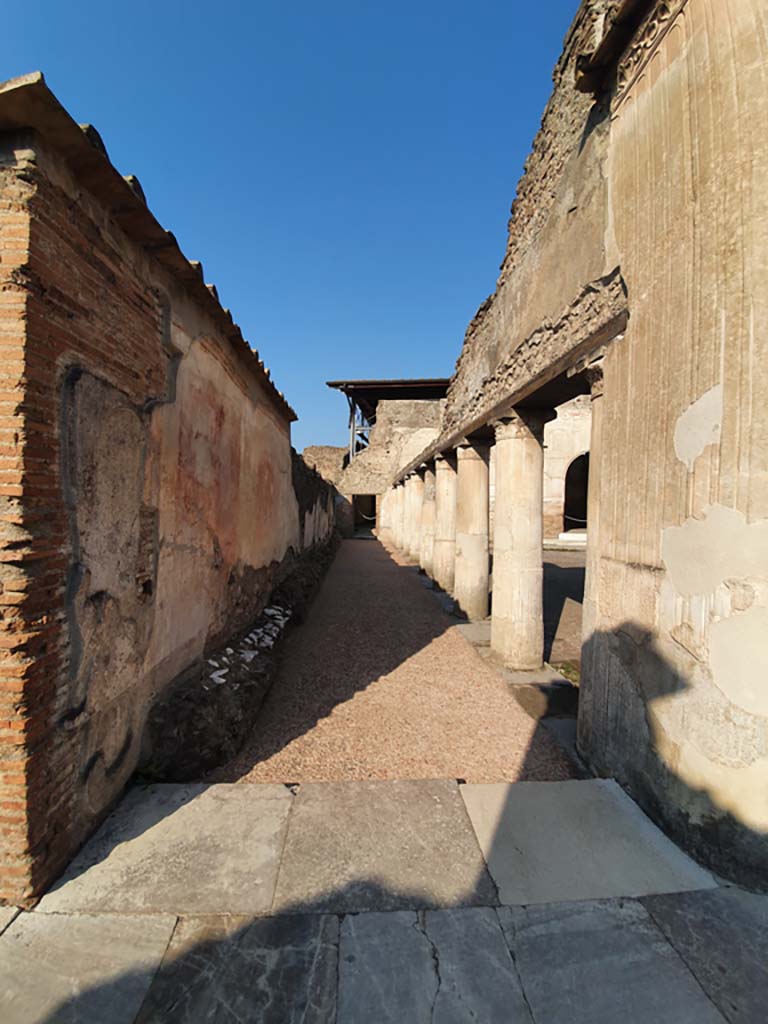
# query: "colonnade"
(439, 517)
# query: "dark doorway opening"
(364, 506)
(576, 482)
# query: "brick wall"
(146, 497)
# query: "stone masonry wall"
(147, 501)
(638, 237)
(403, 428)
(558, 287)
(674, 693)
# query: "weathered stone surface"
(79, 969)
(433, 966)
(279, 970)
(7, 914)
(583, 839)
(477, 633)
(722, 936)
(355, 846)
(600, 963)
(191, 849)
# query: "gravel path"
(378, 684)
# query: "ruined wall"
(316, 502)
(638, 232)
(674, 684)
(149, 501)
(327, 460)
(559, 287)
(403, 428)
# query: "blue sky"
(344, 171)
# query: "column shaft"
(590, 607)
(471, 562)
(445, 520)
(426, 551)
(416, 483)
(397, 515)
(517, 622)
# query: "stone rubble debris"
(275, 619)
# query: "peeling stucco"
(720, 545)
(739, 659)
(699, 426)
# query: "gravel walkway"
(378, 684)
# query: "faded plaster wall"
(159, 503)
(675, 675)
(180, 515)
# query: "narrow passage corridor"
(379, 683)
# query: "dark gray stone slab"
(361, 846)
(723, 937)
(601, 962)
(441, 967)
(279, 970)
(182, 849)
(586, 839)
(79, 969)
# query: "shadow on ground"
(562, 583)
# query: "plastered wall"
(158, 502)
(674, 688)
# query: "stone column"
(445, 520)
(396, 514)
(426, 555)
(416, 483)
(517, 622)
(401, 514)
(590, 607)
(406, 527)
(594, 375)
(470, 586)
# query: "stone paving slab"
(7, 914)
(357, 846)
(722, 935)
(279, 970)
(183, 849)
(431, 967)
(602, 963)
(575, 840)
(79, 969)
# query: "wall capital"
(467, 449)
(445, 461)
(522, 424)
(594, 377)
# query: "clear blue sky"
(343, 170)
